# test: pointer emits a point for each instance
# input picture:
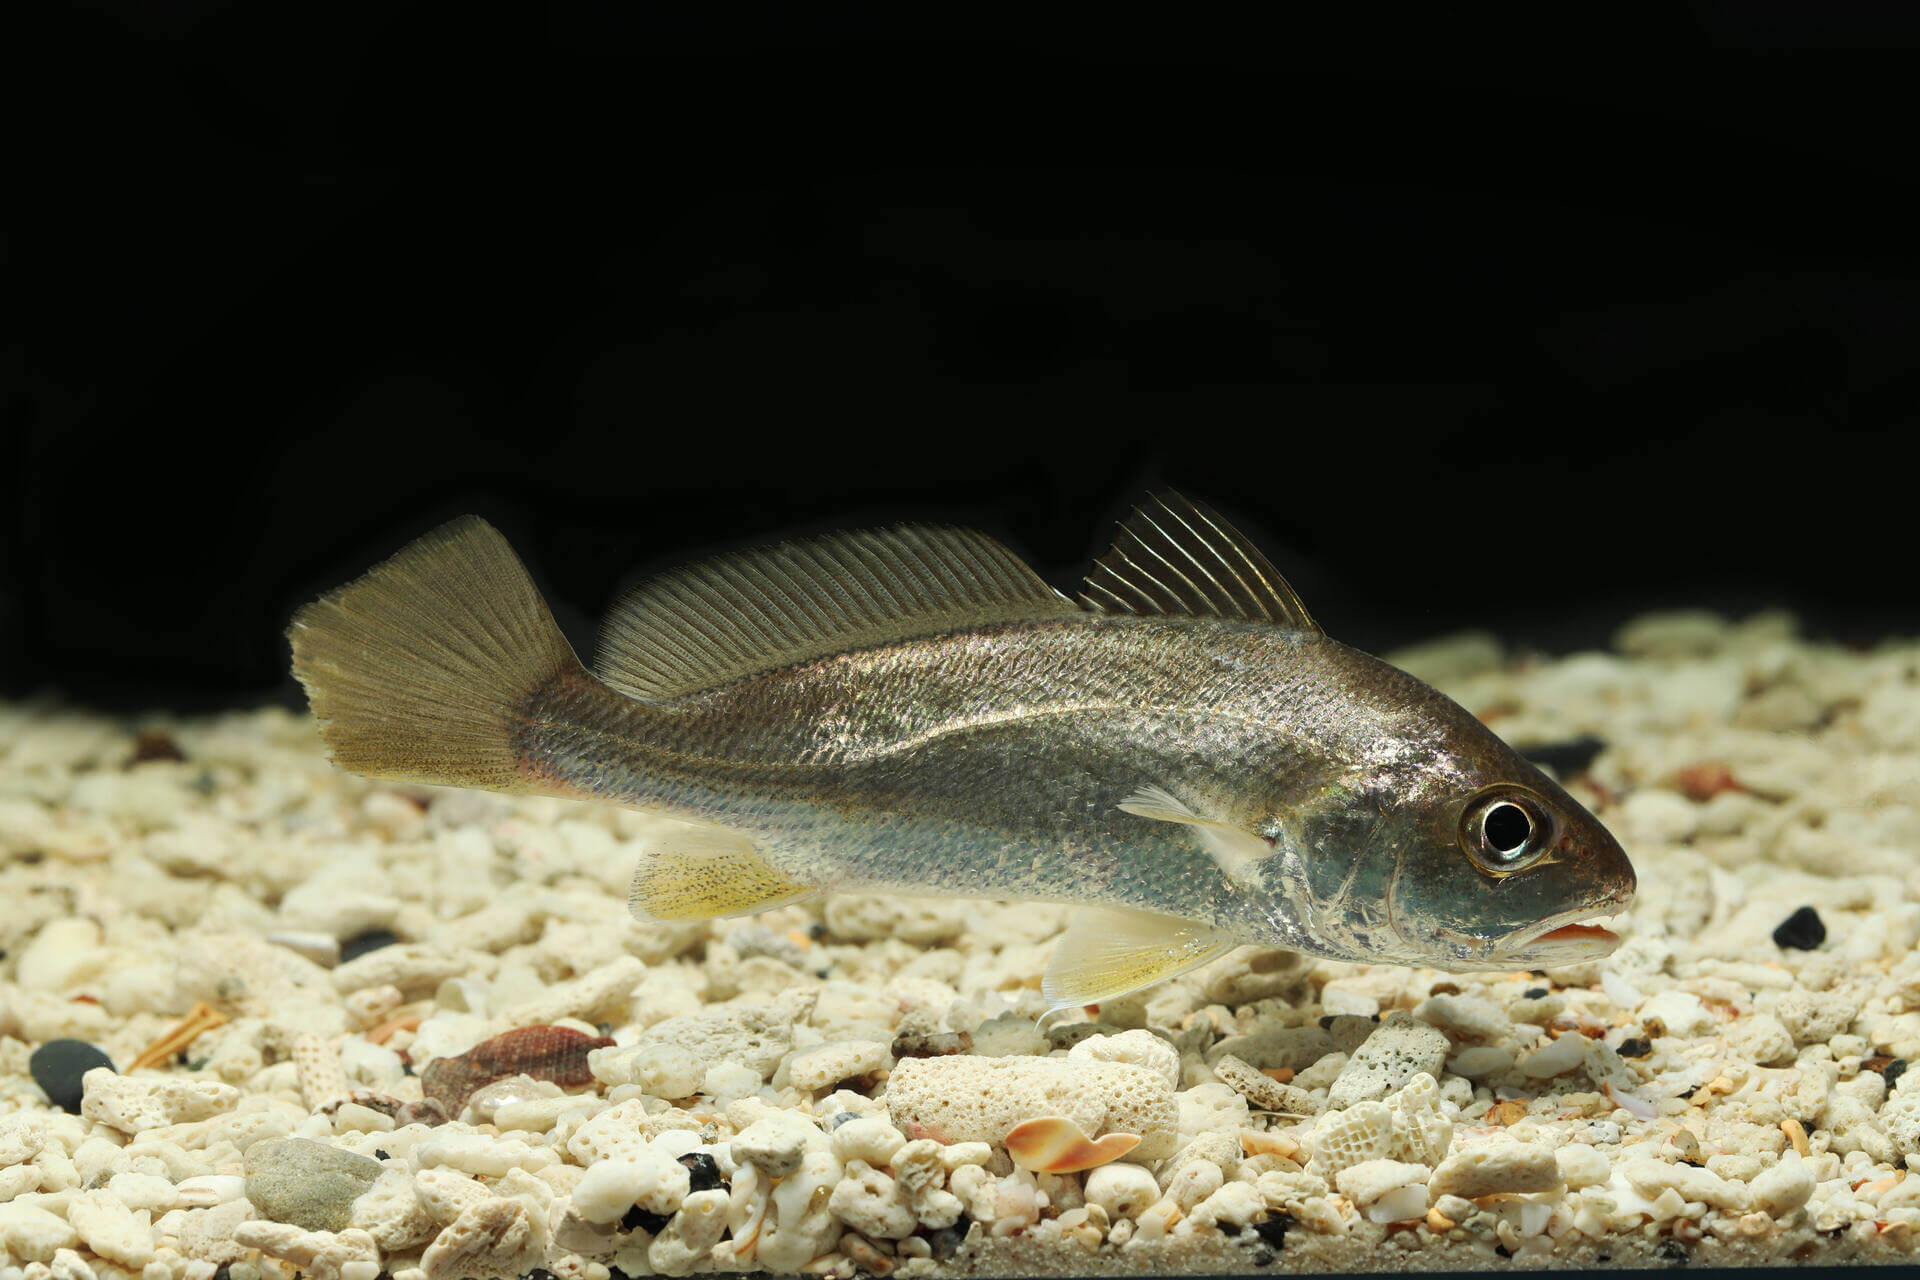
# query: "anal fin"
(702, 872)
(1107, 952)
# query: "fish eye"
(1505, 829)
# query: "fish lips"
(1568, 938)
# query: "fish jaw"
(1569, 938)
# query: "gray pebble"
(305, 1183)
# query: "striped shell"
(558, 1054)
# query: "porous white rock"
(34, 1234)
(801, 1224)
(775, 1143)
(1210, 1108)
(648, 1179)
(871, 1139)
(324, 1255)
(1497, 1168)
(1422, 1133)
(1006, 1035)
(663, 1070)
(963, 1099)
(482, 1155)
(860, 917)
(111, 1230)
(1355, 1135)
(392, 1214)
(494, 1237)
(1815, 1017)
(1784, 1186)
(1400, 1048)
(618, 1133)
(1760, 1039)
(1472, 1016)
(826, 1065)
(1900, 1121)
(1262, 1091)
(1193, 1181)
(1140, 1047)
(134, 1104)
(751, 1035)
(147, 1191)
(1582, 1166)
(1674, 1013)
(1232, 1206)
(687, 1241)
(1652, 1177)
(1121, 1189)
(872, 1203)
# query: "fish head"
(1453, 852)
(1509, 872)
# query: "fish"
(1178, 753)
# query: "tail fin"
(419, 670)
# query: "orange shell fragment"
(1055, 1144)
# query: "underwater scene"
(868, 641)
(260, 1016)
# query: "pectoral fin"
(1107, 952)
(1236, 851)
(698, 873)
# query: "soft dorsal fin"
(755, 611)
(1172, 556)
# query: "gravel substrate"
(353, 1028)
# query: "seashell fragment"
(1055, 1144)
(558, 1054)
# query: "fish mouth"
(1567, 938)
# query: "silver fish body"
(1206, 780)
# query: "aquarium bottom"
(259, 1017)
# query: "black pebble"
(946, 1241)
(57, 1067)
(380, 1154)
(702, 1173)
(1635, 1047)
(1569, 759)
(1673, 1251)
(1263, 1256)
(645, 1220)
(1803, 930)
(816, 931)
(361, 943)
(1537, 993)
(1893, 1071)
(1273, 1228)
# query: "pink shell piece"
(1055, 1144)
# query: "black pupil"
(1507, 828)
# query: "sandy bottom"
(315, 993)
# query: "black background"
(1515, 322)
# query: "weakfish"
(1179, 753)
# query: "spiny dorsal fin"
(1173, 556)
(753, 611)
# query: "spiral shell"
(551, 1053)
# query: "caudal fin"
(420, 669)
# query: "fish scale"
(1183, 755)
